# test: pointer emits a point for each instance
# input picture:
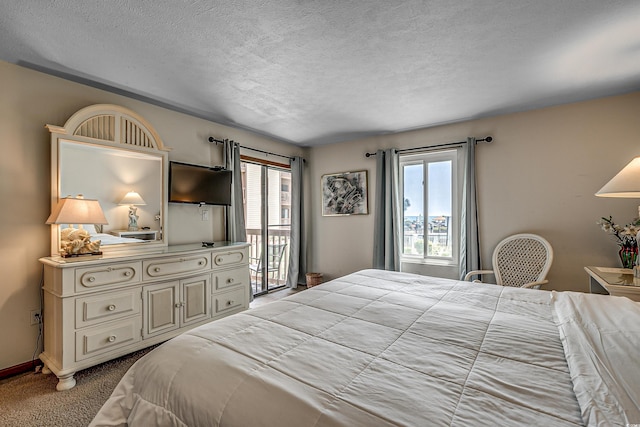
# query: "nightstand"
(613, 281)
(140, 234)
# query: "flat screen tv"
(200, 185)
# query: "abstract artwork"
(344, 194)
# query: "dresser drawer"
(228, 278)
(105, 276)
(229, 301)
(230, 258)
(106, 307)
(172, 266)
(101, 339)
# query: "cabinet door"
(195, 299)
(161, 308)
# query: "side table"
(613, 281)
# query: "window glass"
(439, 208)
(430, 217)
(413, 209)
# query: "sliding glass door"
(267, 198)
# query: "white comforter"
(110, 239)
(377, 348)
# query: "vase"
(628, 255)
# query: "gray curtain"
(469, 238)
(297, 251)
(386, 234)
(236, 231)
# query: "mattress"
(379, 348)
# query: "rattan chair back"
(521, 259)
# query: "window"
(430, 218)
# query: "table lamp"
(132, 199)
(626, 184)
(77, 210)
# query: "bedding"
(379, 348)
(96, 232)
(110, 239)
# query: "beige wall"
(539, 175)
(30, 100)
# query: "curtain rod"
(268, 153)
(487, 139)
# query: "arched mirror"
(110, 154)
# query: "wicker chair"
(521, 260)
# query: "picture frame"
(344, 193)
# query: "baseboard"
(19, 369)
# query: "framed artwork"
(344, 194)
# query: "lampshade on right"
(625, 184)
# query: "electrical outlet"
(35, 317)
(205, 215)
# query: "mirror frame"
(109, 126)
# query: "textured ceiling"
(315, 72)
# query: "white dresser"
(100, 308)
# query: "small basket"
(313, 279)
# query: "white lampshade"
(625, 184)
(132, 198)
(70, 210)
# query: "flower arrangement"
(625, 235)
(625, 238)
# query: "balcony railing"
(277, 236)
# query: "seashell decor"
(74, 241)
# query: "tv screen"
(199, 184)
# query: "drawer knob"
(157, 269)
(91, 279)
(200, 262)
(219, 260)
(111, 307)
(127, 273)
(230, 280)
(112, 338)
(230, 302)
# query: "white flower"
(625, 235)
(606, 227)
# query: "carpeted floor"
(31, 399)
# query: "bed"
(379, 348)
(110, 239)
